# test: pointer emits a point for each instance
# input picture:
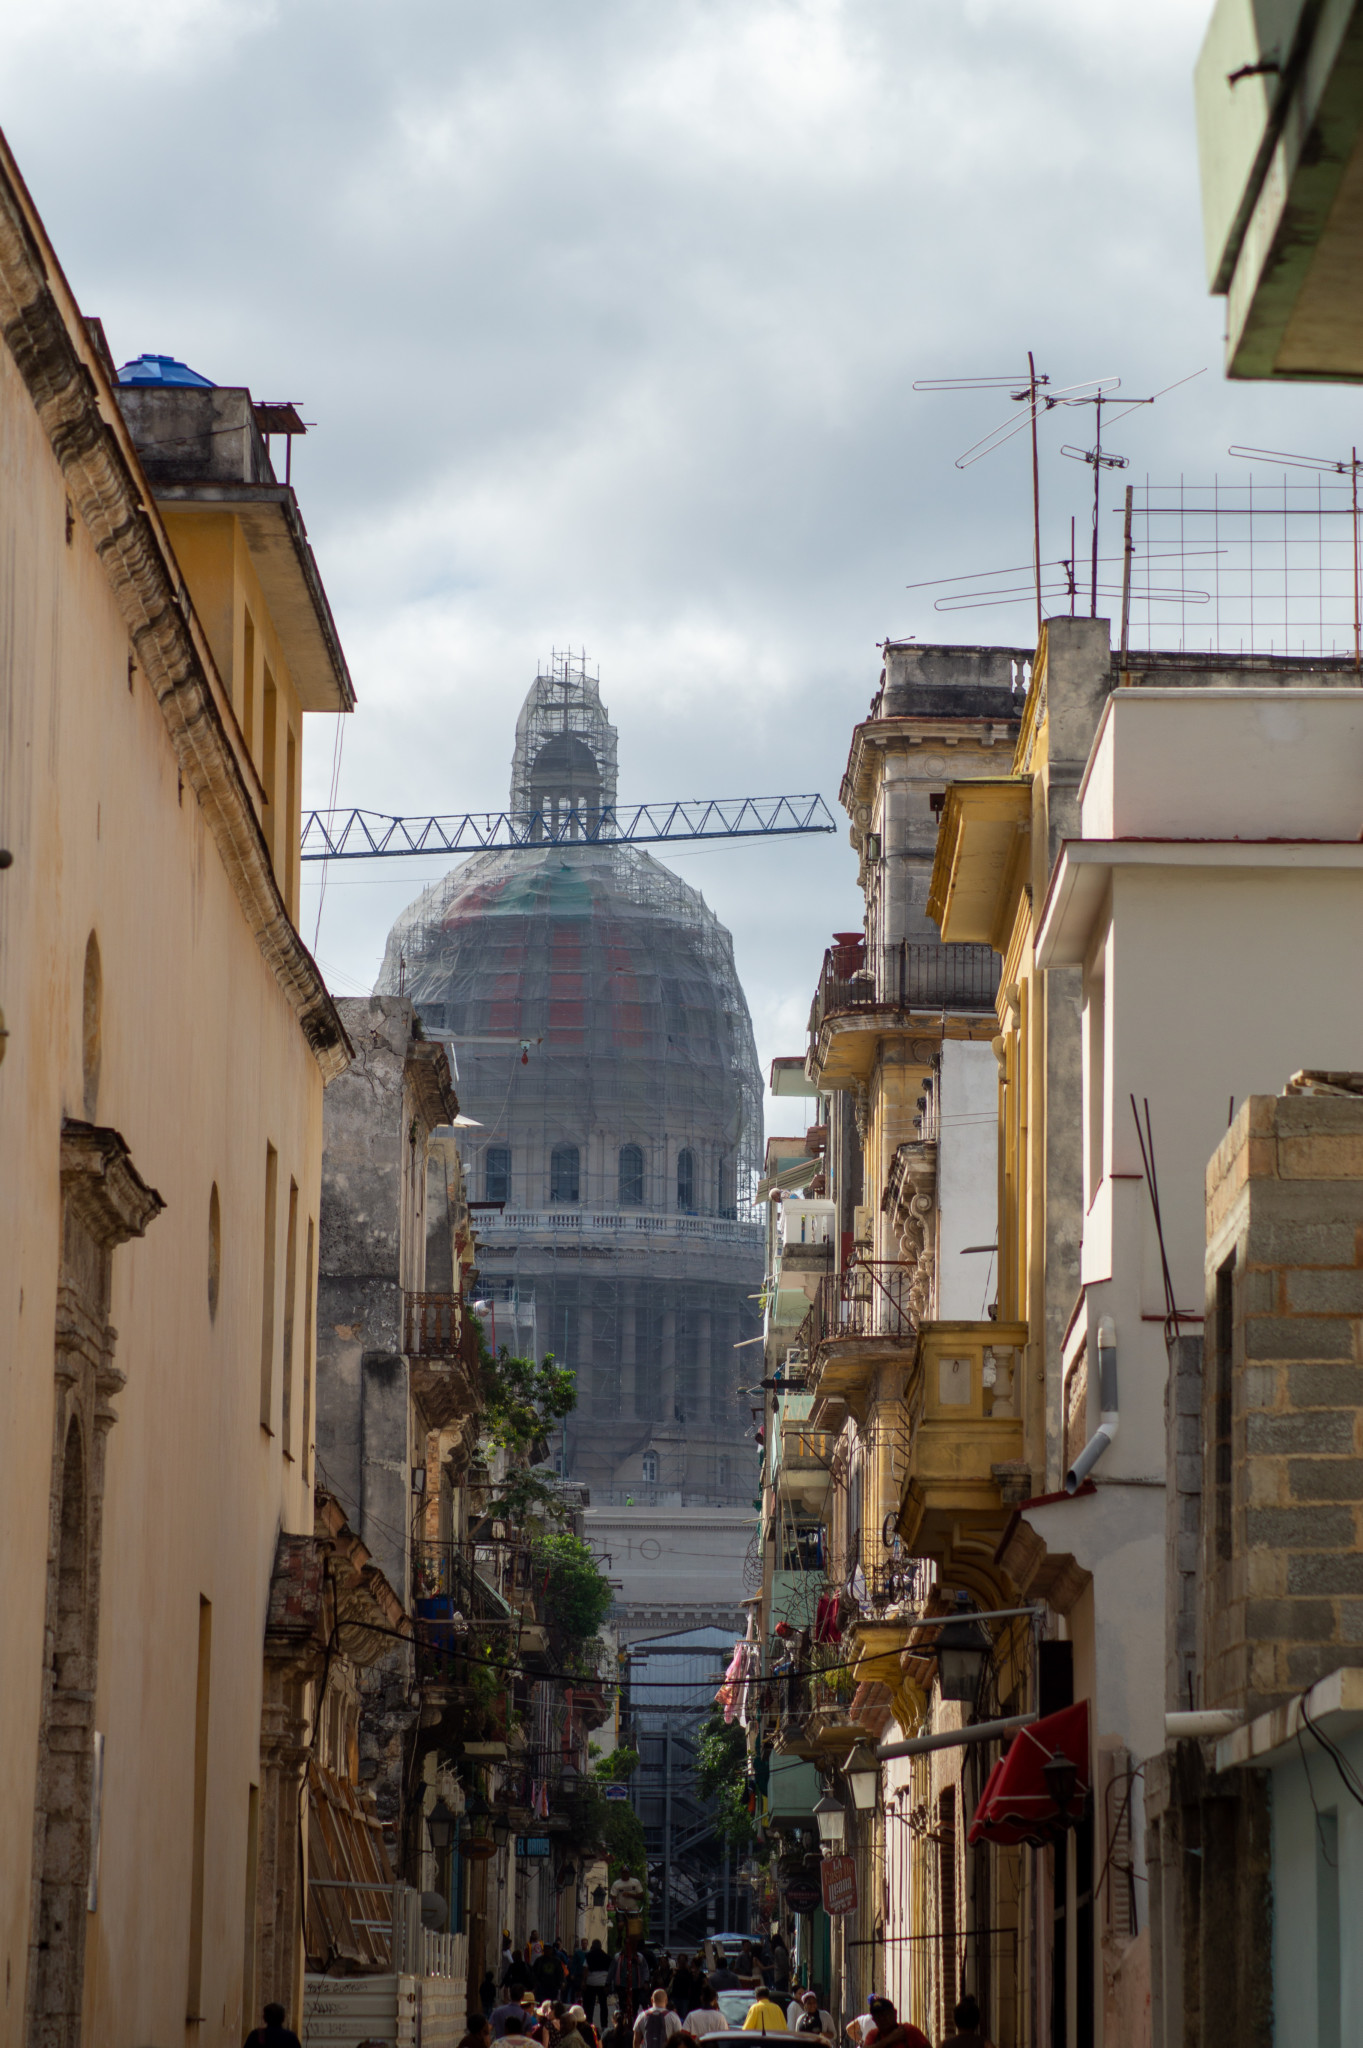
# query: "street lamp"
(831, 1822)
(862, 1773)
(962, 1650)
(440, 1826)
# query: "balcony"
(860, 1318)
(441, 1344)
(863, 991)
(966, 1469)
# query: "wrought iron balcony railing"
(909, 976)
(868, 1299)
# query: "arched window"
(724, 1189)
(723, 1472)
(686, 1181)
(564, 1179)
(631, 1177)
(650, 1467)
(497, 1173)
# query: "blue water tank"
(161, 370)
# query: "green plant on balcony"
(722, 1775)
(574, 1595)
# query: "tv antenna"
(1098, 460)
(1328, 465)
(1036, 397)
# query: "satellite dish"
(434, 1911)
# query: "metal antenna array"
(1034, 395)
(1327, 465)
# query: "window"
(631, 1177)
(497, 1173)
(686, 1182)
(649, 1467)
(724, 1189)
(564, 1174)
(723, 1472)
(653, 1753)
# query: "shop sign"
(532, 1845)
(838, 1876)
(802, 1895)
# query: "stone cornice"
(102, 1185)
(107, 490)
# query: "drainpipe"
(1107, 1401)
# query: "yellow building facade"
(167, 1039)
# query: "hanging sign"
(802, 1895)
(533, 1845)
(838, 1877)
(615, 1792)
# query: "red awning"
(1017, 1805)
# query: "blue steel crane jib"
(369, 835)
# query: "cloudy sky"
(609, 314)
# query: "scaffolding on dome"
(605, 1049)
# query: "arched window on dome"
(649, 1467)
(564, 1174)
(686, 1182)
(724, 1189)
(631, 1177)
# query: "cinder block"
(1318, 1433)
(1324, 1575)
(1307, 1665)
(1321, 1292)
(1264, 1573)
(1188, 1474)
(1325, 1478)
(1325, 1386)
(1292, 1621)
(1298, 1337)
(1289, 1242)
(1301, 1528)
(1309, 1116)
(1259, 1291)
(1331, 1156)
(1351, 1621)
(1265, 1483)
(1260, 1386)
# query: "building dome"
(605, 1048)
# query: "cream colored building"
(167, 1038)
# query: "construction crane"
(369, 835)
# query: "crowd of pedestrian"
(587, 1999)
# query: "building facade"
(167, 1040)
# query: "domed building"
(604, 1048)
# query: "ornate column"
(104, 1203)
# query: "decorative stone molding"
(911, 1199)
(105, 1202)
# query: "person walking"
(765, 2016)
(594, 1979)
(706, 2018)
(969, 2027)
(808, 2002)
(274, 2033)
(656, 2025)
(477, 2033)
(509, 2009)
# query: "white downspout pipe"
(1107, 1400)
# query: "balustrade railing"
(436, 1327)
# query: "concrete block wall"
(1282, 1522)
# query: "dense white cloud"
(609, 316)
